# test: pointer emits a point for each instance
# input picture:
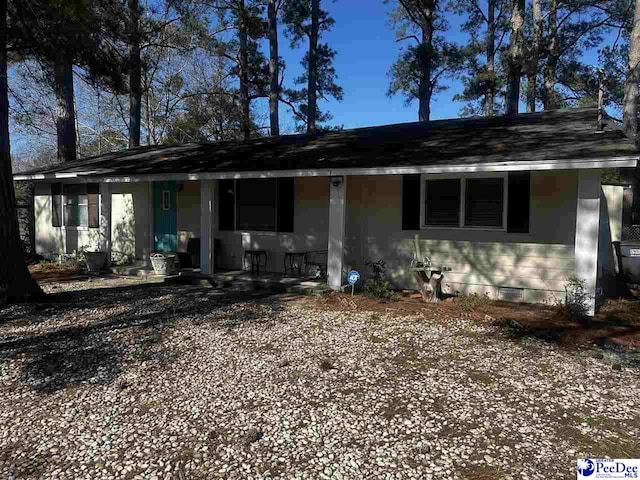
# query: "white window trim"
(463, 191)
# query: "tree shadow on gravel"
(92, 350)
(612, 333)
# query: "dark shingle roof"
(553, 135)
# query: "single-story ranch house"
(510, 206)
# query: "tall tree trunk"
(424, 85)
(489, 97)
(632, 85)
(245, 108)
(135, 75)
(274, 90)
(65, 112)
(631, 104)
(515, 56)
(534, 56)
(550, 98)
(425, 54)
(15, 280)
(312, 101)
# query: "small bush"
(576, 302)
(377, 286)
(321, 290)
(470, 302)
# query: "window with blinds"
(499, 201)
(484, 202)
(442, 203)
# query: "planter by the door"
(163, 263)
(95, 261)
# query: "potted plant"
(95, 261)
(163, 263)
(94, 253)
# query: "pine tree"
(251, 69)
(419, 70)
(63, 34)
(571, 27)
(306, 19)
(488, 26)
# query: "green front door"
(164, 217)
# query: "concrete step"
(138, 269)
(191, 279)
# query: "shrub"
(470, 302)
(71, 259)
(576, 302)
(377, 286)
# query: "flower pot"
(163, 264)
(95, 261)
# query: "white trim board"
(598, 163)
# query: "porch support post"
(207, 225)
(105, 220)
(337, 209)
(151, 241)
(587, 230)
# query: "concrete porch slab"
(243, 280)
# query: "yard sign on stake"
(353, 278)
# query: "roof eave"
(628, 161)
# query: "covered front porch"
(274, 228)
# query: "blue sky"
(366, 49)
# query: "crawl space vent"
(511, 294)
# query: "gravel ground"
(154, 382)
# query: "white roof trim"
(616, 162)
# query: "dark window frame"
(461, 216)
(280, 225)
